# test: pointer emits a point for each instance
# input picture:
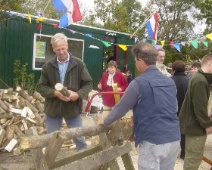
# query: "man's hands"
(73, 96)
(208, 130)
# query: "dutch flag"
(68, 10)
(152, 27)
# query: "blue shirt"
(63, 68)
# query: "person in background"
(152, 96)
(109, 79)
(195, 121)
(194, 68)
(160, 62)
(128, 76)
(181, 82)
(70, 71)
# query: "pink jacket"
(120, 79)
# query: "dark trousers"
(182, 145)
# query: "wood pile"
(18, 112)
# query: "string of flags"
(151, 24)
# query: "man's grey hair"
(145, 51)
(58, 37)
(160, 49)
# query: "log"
(25, 95)
(39, 106)
(59, 87)
(4, 106)
(2, 134)
(38, 96)
(9, 91)
(33, 108)
(43, 140)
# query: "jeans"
(54, 124)
(157, 157)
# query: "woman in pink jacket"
(111, 77)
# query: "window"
(42, 50)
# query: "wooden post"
(53, 148)
(62, 89)
(37, 155)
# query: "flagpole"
(141, 25)
(46, 6)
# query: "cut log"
(39, 106)
(11, 145)
(9, 91)
(43, 140)
(33, 108)
(2, 111)
(25, 95)
(4, 106)
(8, 104)
(18, 132)
(59, 87)
(2, 135)
(38, 96)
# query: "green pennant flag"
(153, 42)
(194, 43)
(106, 43)
(205, 43)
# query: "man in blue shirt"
(152, 96)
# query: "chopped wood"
(2, 134)
(2, 111)
(62, 89)
(8, 91)
(3, 106)
(25, 95)
(3, 120)
(11, 145)
(39, 106)
(38, 96)
(33, 108)
(18, 132)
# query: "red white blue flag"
(152, 27)
(68, 10)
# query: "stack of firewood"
(18, 112)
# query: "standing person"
(194, 120)
(129, 76)
(152, 96)
(160, 61)
(194, 68)
(72, 73)
(111, 77)
(181, 82)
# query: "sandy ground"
(24, 161)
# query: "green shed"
(30, 43)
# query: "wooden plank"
(128, 164)
(76, 157)
(101, 158)
(37, 155)
(53, 148)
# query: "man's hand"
(208, 130)
(61, 96)
(73, 96)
